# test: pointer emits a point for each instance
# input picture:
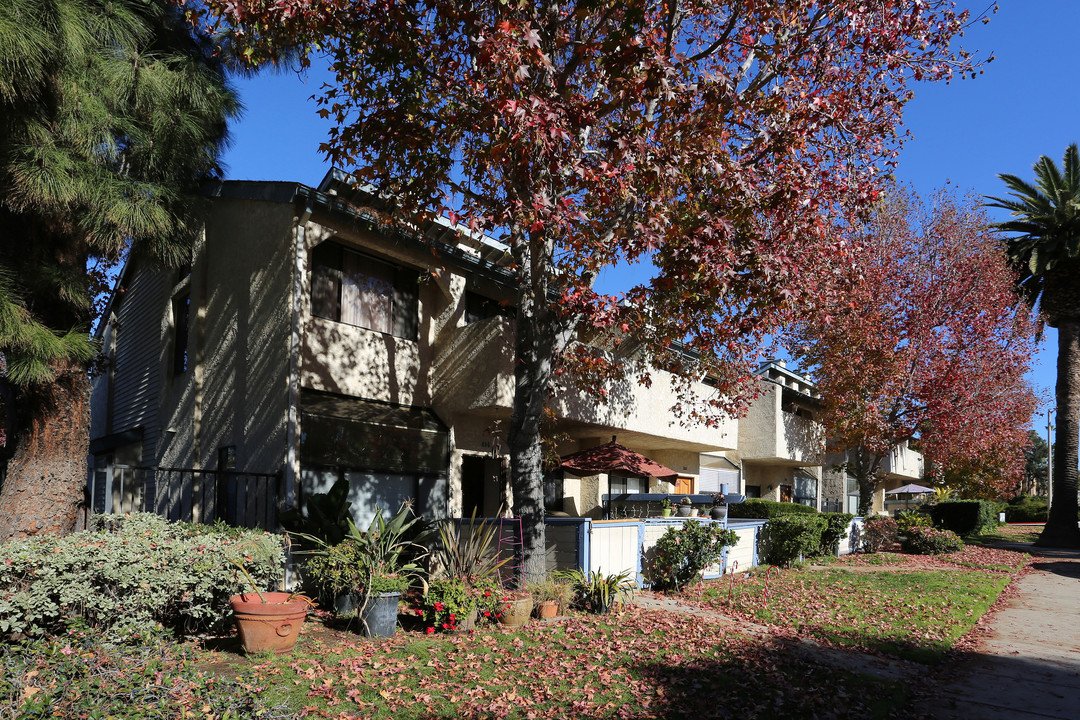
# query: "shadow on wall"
(353, 361)
(804, 438)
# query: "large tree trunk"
(46, 476)
(1061, 525)
(536, 345)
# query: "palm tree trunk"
(1061, 525)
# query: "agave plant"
(467, 552)
(596, 592)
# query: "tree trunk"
(46, 477)
(1061, 524)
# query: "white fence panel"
(614, 548)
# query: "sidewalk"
(1027, 665)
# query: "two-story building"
(306, 342)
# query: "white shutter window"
(710, 479)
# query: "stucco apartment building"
(305, 343)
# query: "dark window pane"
(326, 281)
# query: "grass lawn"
(640, 664)
(1010, 533)
(914, 607)
(636, 664)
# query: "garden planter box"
(270, 626)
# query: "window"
(806, 490)
(624, 485)
(358, 290)
(478, 307)
(181, 322)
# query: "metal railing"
(240, 499)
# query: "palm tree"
(1046, 253)
(111, 114)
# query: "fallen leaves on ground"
(639, 664)
(913, 606)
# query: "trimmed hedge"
(757, 508)
(131, 575)
(965, 517)
(836, 529)
(787, 538)
(930, 541)
(1026, 508)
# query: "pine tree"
(111, 114)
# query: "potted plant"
(666, 507)
(517, 606)
(549, 596)
(464, 588)
(596, 592)
(268, 621)
(373, 568)
(685, 507)
(719, 508)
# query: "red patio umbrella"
(614, 457)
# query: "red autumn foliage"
(924, 342)
(713, 140)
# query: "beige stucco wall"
(769, 433)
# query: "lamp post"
(1049, 457)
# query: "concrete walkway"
(1027, 662)
(1025, 666)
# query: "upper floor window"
(359, 290)
(181, 329)
(478, 307)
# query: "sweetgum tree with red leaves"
(924, 341)
(712, 139)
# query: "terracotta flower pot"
(271, 626)
(547, 609)
(517, 612)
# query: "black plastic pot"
(378, 617)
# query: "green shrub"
(595, 592)
(908, 519)
(1026, 508)
(786, 538)
(877, 531)
(836, 529)
(765, 509)
(450, 601)
(965, 517)
(930, 541)
(130, 575)
(80, 676)
(682, 553)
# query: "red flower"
(429, 630)
(487, 593)
(439, 607)
(446, 626)
(451, 617)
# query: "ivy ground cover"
(913, 607)
(639, 664)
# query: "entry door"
(472, 485)
(684, 485)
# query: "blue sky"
(1024, 105)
